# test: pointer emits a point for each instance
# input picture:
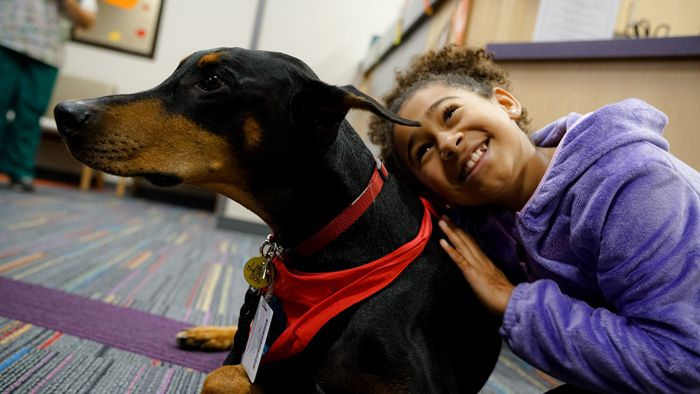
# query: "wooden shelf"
(644, 48)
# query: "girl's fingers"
(459, 238)
(457, 257)
(451, 233)
(489, 283)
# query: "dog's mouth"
(116, 161)
(161, 179)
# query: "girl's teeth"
(474, 158)
(477, 154)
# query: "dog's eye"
(210, 83)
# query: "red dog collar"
(310, 300)
(346, 218)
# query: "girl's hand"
(488, 282)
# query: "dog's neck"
(323, 193)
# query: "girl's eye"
(422, 150)
(449, 111)
(210, 83)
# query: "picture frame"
(129, 26)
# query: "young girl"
(592, 210)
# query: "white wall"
(331, 36)
(185, 26)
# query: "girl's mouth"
(473, 160)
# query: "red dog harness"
(310, 300)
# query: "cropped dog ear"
(353, 98)
(322, 107)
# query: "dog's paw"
(229, 379)
(209, 338)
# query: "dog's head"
(226, 116)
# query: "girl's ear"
(508, 102)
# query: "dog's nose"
(70, 117)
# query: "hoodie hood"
(584, 139)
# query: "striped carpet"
(147, 270)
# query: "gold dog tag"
(254, 272)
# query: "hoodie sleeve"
(643, 225)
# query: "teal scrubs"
(26, 85)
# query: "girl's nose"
(448, 143)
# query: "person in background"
(584, 236)
(32, 36)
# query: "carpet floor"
(146, 270)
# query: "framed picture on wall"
(129, 26)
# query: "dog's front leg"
(209, 338)
(229, 379)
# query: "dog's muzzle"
(71, 117)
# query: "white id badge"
(256, 340)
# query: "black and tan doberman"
(261, 129)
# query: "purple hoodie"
(612, 244)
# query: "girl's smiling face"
(469, 150)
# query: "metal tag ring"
(269, 249)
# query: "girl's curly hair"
(453, 66)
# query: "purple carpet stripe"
(128, 329)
